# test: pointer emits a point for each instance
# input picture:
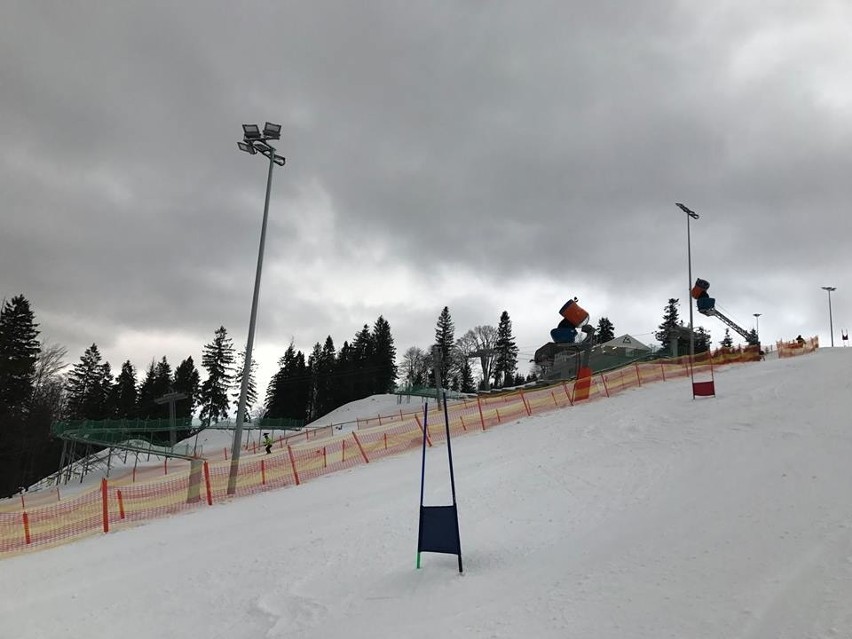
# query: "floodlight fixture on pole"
(248, 148)
(690, 215)
(830, 319)
(253, 142)
(757, 324)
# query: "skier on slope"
(267, 442)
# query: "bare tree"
(415, 365)
(47, 381)
(479, 342)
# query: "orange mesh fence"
(51, 525)
(31, 521)
(794, 348)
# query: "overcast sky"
(486, 156)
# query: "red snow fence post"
(26, 520)
(293, 465)
(207, 484)
(120, 504)
(360, 447)
(481, 418)
(104, 500)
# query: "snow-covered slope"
(647, 515)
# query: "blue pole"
(422, 478)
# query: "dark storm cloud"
(534, 140)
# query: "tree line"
(37, 388)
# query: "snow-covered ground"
(647, 515)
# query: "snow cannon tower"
(565, 357)
(573, 317)
(707, 306)
(702, 298)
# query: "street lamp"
(254, 141)
(830, 320)
(690, 215)
(757, 325)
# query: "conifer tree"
(322, 370)
(19, 351)
(345, 374)
(384, 370)
(19, 354)
(124, 393)
(670, 323)
(701, 339)
(146, 407)
(88, 387)
(313, 404)
(362, 358)
(217, 359)
(466, 381)
(188, 382)
(605, 331)
(444, 342)
(727, 341)
(507, 353)
(162, 385)
(289, 389)
(251, 390)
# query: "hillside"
(646, 515)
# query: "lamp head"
(686, 210)
(251, 132)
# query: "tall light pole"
(830, 320)
(690, 215)
(757, 325)
(254, 141)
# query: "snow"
(647, 515)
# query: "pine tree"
(19, 351)
(19, 356)
(124, 393)
(466, 381)
(251, 390)
(323, 372)
(188, 382)
(605, 331)
(383, 358)
(507, 353)
(701, 339)
(669, 325)
(146, 407)
(345, 375)
(88, 387)
(288, 391)
(162, 385)
(313, 403)
(362, 358)
(727, 341)
(443, 348)
(217, 359)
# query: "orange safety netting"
(32, 521)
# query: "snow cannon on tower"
(707, 306)
(565, 356)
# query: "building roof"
(626, 341)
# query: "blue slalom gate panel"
(439, 530)
(439, 525)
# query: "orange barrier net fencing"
(174, 486)
(794, 347)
